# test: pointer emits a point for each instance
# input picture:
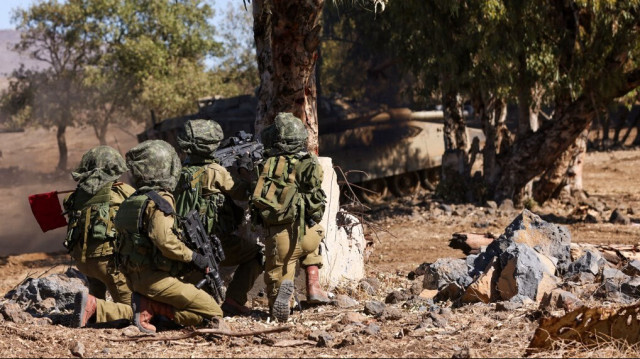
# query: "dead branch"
(204, 331)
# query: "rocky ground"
(387, 314)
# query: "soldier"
(91, 235)
(289, 202)
(152, 256)
(208, 187)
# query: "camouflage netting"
(200, 137)
(154, 165)
(99, 166)
(289, 135)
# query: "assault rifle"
(196, 238)
(242, 145)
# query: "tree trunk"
(528, 110)
(622, 115)
(634, 123)
(62, 147)
(532, 155)
(287, 35)
(565, 174)
(455, 166)
(100, 129)
(493, 115)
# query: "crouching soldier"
(289, 202)
(207, 187)
(151, 253)
(91, 236)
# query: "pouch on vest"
(276, 192)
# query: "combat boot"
(281, 305)
(232, 308)
(144, 309)
(315, 294)
(85, 306)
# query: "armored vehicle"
(377, 148)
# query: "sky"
(7, 7)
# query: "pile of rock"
(49, 297)
(533, 260)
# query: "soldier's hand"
(200, 262)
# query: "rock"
(416, 289)
(524, 274)
(77, 349)
(374, 308)
(428, 293)
(321, 337)
(13, 313)
(590, 262)
(483, 289)
(422, 268)
(619, 217)
(582, 278)
(396, 297)
(451, 291)
(464, 353)
(130, 331)
(47, 304)
(344, 301)
(391, 313)
(492, 204)
(106, 351)
(560, 299)
(631, 287)
(445, 312)
(352, 317)
(238, 342)
(446, 208)
(373, 282)
(343, 247)
(507, 306)
(612, 279)
(348, 341)
(632, 268)
(42, 321)
(366, 287)
(445, 271)
(58, 286)
(506, 206)
(371, 329)
(530, 230)
(438, 320)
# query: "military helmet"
(98, 166)
(154, 164)
(289, 128)
(200, 137)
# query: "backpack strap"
(161, 203)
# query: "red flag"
(46, 208)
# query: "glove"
(200, 262)
(245, 162)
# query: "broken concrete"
(343, 247)
(445, 271)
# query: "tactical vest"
(91, 223)
(135, 249)
(219, 214)
(275, 198)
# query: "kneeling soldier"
(91, 236)
(289, 202)
(206, 186)
(151, 253)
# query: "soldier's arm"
(160, 230)
(220, 180)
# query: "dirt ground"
(406, 233)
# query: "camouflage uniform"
(288, 200)
(151, 254)
(91, 235)
(215, 189)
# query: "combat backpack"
(276, 194)
(91, 220)
(217, 211)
